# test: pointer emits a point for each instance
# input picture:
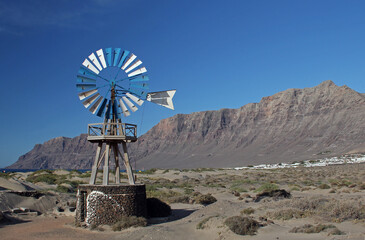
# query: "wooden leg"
(94, 170)
(106, 165)
(117, 170)
(128, 166)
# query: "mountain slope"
(293, 125)
(60, 152)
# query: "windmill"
(112, 83)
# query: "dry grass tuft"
(202, 223)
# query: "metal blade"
(130, 59)
(87, 64)
(100, 54)
(139, 71)
(125, 54)
(139, 92)
(135, 99)
(101, 109)
(136, 64)
(87, 94)
(163, 98)
(116, 53)
(95, 61)
(125, 110)
(83, 71)
(130, 104)
(140, 85)
(89, 101)
(95, 106)
(83, 79)
(108, 55)
(139, 79)
(85, 86)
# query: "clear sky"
(217, 54)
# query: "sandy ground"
(182, 224)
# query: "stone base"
(100, 204)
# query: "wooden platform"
(112, 132)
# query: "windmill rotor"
(113, 82)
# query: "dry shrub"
(180, 199)
(336, 231)
(248, 211)
(205, 199)
(324, 186)
(242, 225)
(344, 210)
(157, 208)
(129, 221)
(329, 209)
(287, 214)
(274, 194)
(308, 228)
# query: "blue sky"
(217, 54)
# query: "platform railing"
(112, 129)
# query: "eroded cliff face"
(296, 124)
(60, 152)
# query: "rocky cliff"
(60, 152)
(293, 125)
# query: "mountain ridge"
(291, 125)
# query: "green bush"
(49, 178)
(238, 185)
(267, 187)
(242, 225)
(64, 189)
(6, 175)
(85, 175)
(129, 221)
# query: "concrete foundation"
(106, 204)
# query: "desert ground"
(316, 203)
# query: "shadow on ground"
(176, 214)
(10, 220)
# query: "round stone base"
(99, 204)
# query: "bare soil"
(332, 195)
